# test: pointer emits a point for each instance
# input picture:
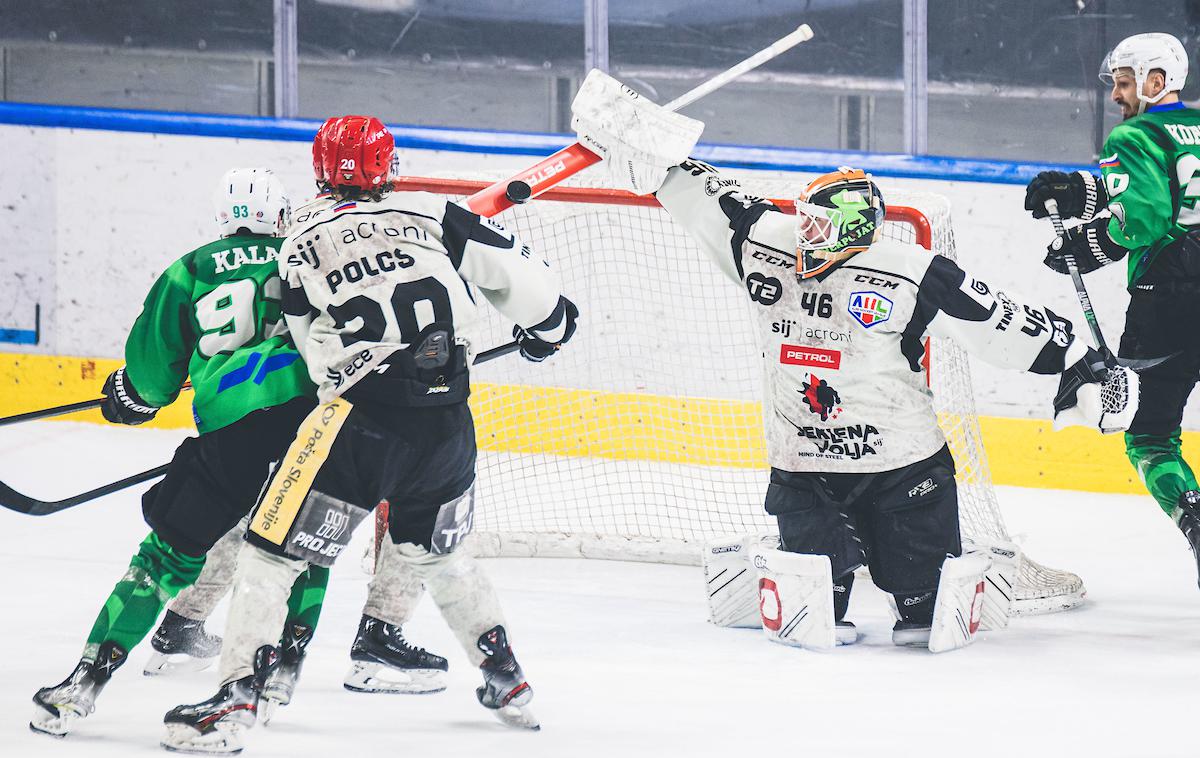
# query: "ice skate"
(911, 634)
(846, 633)
(57, 708)
(181, 644)
(281, 683)
(218, 725)
(1187, 516)
(383, 661)
(505, 691)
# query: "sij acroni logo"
(869, 308)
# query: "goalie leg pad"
(731, 581)
(958, 611)
(796, 598)
(811, 522)
(1000, 579)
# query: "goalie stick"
(569, 161)
(1085, 302)
(31, 506)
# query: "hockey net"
(643, 438)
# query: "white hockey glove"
(638, 140)
(1094, 395)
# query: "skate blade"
(377, 678)
(51, 725)
(225, 739)
(162, 664)
(518, 717)
(267, 707)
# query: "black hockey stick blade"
(496, 352)
(1141, 364)
(15, 501)
(60, 410)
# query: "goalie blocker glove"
(1079, 194)
(1089, 245)
(1092, 368)
(540, 341)
(122, 404)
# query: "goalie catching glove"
(1096, 392)
(638, 140)
(122, 404)
(540, 341)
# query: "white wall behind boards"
(88, 220)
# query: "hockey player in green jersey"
(1150, 168)
(213, 315)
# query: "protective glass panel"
(1016, 79)
(499, 64)
(840, 90)
(210, 57)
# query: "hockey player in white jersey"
(379, 295)
(860, 471)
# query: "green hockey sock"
(156, 574)
(1160, 464)
(308, 593)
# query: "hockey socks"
(156, 574)
(1160, 464)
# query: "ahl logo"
(821, 399)
(869, 308)
(800, 355)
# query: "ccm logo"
(798, 355)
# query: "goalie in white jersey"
(379, 294)
(860, 471)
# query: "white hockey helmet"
(1143, 53)
(252, 199)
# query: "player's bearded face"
(1124, 93)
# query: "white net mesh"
(643, 437)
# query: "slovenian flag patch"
(1111, 161)
(345, 206)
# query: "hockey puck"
(518, 192)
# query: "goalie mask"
(837, 216)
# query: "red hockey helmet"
(353, 151)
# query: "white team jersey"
(363, 278)
(844, 388)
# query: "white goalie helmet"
(1143, 53)
(252, 199)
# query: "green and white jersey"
(1151, 168)
(215, 315)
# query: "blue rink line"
(897, 165)
(18, 336)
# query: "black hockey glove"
(536, 344)
(122, 404)
(1089, 244)
(1092, 368)
(1078, 194)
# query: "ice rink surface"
(620, 655)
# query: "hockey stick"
(569, 161)
(1085, 302)
(61, 410)
(30, 506)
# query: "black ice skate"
(281, 683)
(1187, 516)
(911, 634)
(505, 691)
(218, 725)
(181, 644)
(845, 632)
(57, 708)
(383, 661)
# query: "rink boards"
(1021, 452)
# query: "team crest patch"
(869, 308)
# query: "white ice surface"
(620, 656)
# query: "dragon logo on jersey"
(869, 308)
(821, 399)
